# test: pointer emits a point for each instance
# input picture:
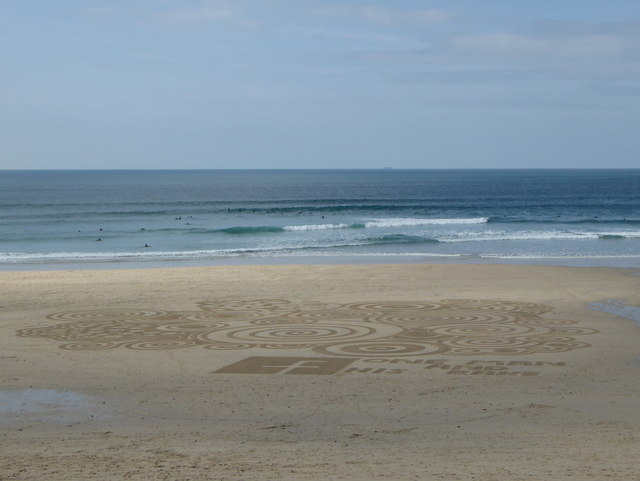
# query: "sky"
(216, 84)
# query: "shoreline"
(628, 262)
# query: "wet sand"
(452, 372)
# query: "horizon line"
(380, 169)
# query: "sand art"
(458, 327)
(297, 373)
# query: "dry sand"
(453, 372)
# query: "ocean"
(178, 217)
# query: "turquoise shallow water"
(574, 217)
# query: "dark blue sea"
(573, 217)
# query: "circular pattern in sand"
(484, 345)
(396, 307)
(161, 344)
(481, 330)
(108, 315)
(378, 349)
(296, 334)
(457, 327)
(453, 316)
(186, 327)
(88, 346)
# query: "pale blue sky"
(319, 84)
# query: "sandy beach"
(393, 372)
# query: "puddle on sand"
(619, 308)
(45, 405)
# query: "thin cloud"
(587, 52)
(582, 66)
(102, 11)
(210, 12)
(354, 37)
(386, 16)
(526, 46)
(202, 14)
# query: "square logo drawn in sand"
(286, 365)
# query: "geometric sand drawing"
(457, 327)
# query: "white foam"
(316, 227)
(367, 254)
(15, 258)
(400, 222)
(56, 257)
(492, 235)
(555, 256)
